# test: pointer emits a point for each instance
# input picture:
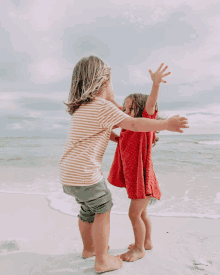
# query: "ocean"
(187, 168)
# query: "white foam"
(217, 198)
(193, 178)
(67, 205)
(186, 215)
(63, 203)
(211, 142)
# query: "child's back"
(88, 137)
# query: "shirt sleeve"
(109, 115)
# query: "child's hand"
(175, 123)
(155, 140)
(157, 77)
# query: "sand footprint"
(201, 265)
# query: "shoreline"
(112, 212)
(37, 239)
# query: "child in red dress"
(132, 167)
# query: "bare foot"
(133, 255)
(109, 264)
(89, 254)
(148, 246)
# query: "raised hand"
(175, 123)
(158, 76)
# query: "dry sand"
(36, 239)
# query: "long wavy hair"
(89, 76)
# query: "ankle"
(101, 258)
(88, 248)
(139, 247)
(148, 241)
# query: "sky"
(41, 41)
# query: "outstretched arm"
(157, 78)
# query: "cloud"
(201, 120)
(41, 104)
(137, 76)
(175, 27)
(47, 70)
(14, 126)
(42, 41)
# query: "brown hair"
(89, 76)
(138, 104)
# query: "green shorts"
(93, 199)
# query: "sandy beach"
(36, 239)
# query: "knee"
(144, 214)
(133, 216)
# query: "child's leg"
(101, 230)
(135, 211)
(147, 243)
(145, 217)
(85, 229)
(94, 223)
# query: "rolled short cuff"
(94, 199)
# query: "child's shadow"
(23, 263)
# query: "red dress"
(132, 166)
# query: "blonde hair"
(89, 76)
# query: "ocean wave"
(211, 142)
(168, 214)
(60, 202)
(217, 198)
(186, 215)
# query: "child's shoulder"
(145, 114)
(103, 102)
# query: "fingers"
(184, 126)
(183, 118)
(164, 69)
(157, 77)
(163, 75)
(160, 67)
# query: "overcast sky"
(42, 40)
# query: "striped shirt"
(88, 137)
